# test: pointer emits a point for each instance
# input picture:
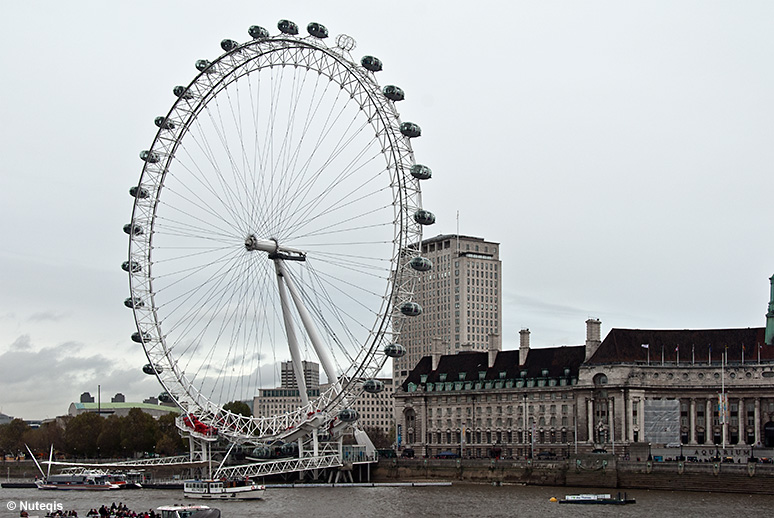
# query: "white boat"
(90, 481)
(187, 511)
(223, 489)
(598, 499)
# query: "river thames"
(458, 500)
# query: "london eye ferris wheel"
(276, 218)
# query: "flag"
(644, 346)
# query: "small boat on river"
(187, 511)
(598, 499)
(223, 489)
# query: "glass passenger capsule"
(393, 93)
(411, 309)
(164, 397)
(261, 452)
(371, 63)
(287, 27)
(138, 192)
(228, 45)
(373, 386)
(202, 65)
(289, 448)
(317, 30)
(424, 217)
(163, 123)
(348, 415)
(151, 369)
(132, 229)
(132, 267)
(421, 172)
(409, 129)
(421, 264)
(257, 32)
(182, 92)
(140, 338)
(394, 350)
(147, 156)
(134, 302)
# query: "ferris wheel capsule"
(373, 386)
(393, 93)
(151, 369)
(371, 63)
(228, 45)
(138, 192)
(411, 309)
(349, 415)
(133, 302)
(421, 172)
(287, 27)
(394, 350)
(424, 217)
(257, 32)
(317, 30)
(141, 337)
(421, 264)
(409, 129)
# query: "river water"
(458, 500)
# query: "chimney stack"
(495, 346)
(593, 335)
(523, 345)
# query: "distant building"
(118, 398)
(311, 372)
(87, 398)
(377, 410)
(5, 419)
(121, 409)
(276, 401)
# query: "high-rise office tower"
(461, 298)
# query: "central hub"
(272, 247)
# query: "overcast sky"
(621, 153)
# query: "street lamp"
(650, 456)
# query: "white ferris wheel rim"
(336, 65)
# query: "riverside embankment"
(592, 470)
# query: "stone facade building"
(635, 387)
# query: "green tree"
(109, 439)
(82, 433)
(49, 434)
(139, 432)
(238, 407)
(12, 438)
(169, 440)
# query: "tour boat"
(187, 511)
(82, 481)
(597, 499)
(223, 489)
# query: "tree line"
(88, 435)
